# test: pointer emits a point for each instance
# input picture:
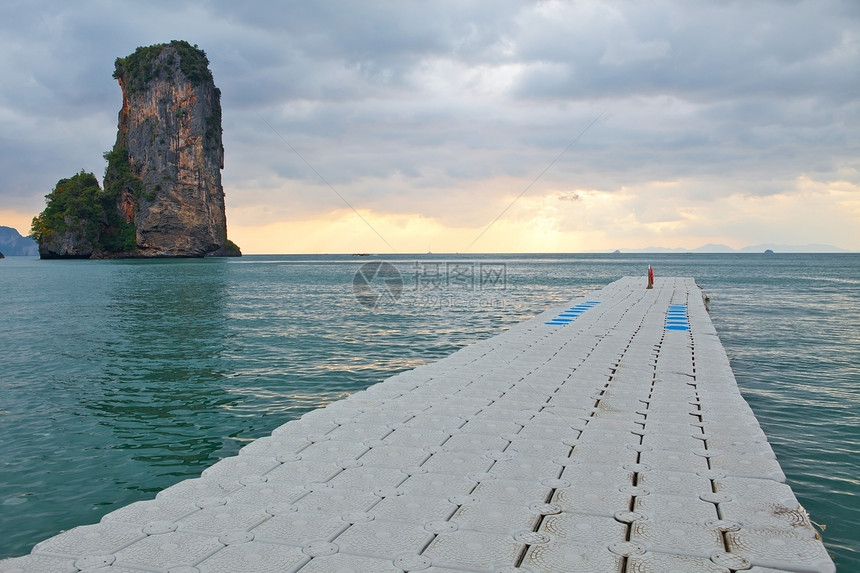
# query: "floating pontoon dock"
(605, 436)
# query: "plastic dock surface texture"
(605, 436)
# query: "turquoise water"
(120, 378)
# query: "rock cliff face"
(169, 139)
(73, 242)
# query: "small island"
(162, 194)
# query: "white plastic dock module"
(605, 436)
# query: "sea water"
(120, 378)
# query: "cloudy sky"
(471, 126)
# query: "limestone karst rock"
(162, 193)
(169, 136)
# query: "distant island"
(763, 248)
(12, 244)
(162, 194)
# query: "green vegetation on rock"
(119, 235)
(79, 204)
(119, 177)
(74, 203)
(141, 67)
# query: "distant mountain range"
(12, 244)
(715, 248)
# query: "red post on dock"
(650, 277)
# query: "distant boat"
(361, 254)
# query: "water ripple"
(121, 378)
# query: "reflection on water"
(163, 374)
(290, 404)
(127, 354)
